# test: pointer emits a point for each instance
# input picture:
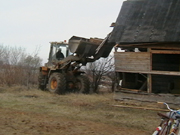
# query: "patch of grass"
(93, 107)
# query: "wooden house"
(149, 32)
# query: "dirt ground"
(24, 113)
(14, 122)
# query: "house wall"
(132, 61)
(156, 71)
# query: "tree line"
(17, 67)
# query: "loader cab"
(58, 51)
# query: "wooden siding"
(132, 61)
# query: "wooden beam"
(137, 61)
(152, 72)
(144, 108)
(157, 45)
(131, 90)
(164, 52)
(149, 83)
(149, 77)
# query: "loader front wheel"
(41, 81)
(82, 84)
(57, 83)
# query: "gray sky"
(32, 23)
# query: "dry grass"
(79, 107)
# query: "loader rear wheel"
(57, 83)
(82, 84)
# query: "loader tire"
(82, 84)
(57, 83)
(41, 81)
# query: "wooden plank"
(148, 97)
(151, 72)
(131, 90)
(167, 45)
(132, 61)
(129, 67)
(144, 108)
(149, 83)
(165, 52)
(132, 54)
(149, 77)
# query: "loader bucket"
(83, 47)
(90, 47)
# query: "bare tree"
(112, 75)
(16, 55)
(31, 63)
(98, 69)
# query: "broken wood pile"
(147, 98)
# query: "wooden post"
(149, 76)
(149, 83)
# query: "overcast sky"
(32, 23)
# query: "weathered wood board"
(132, 61)
(148, 97)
